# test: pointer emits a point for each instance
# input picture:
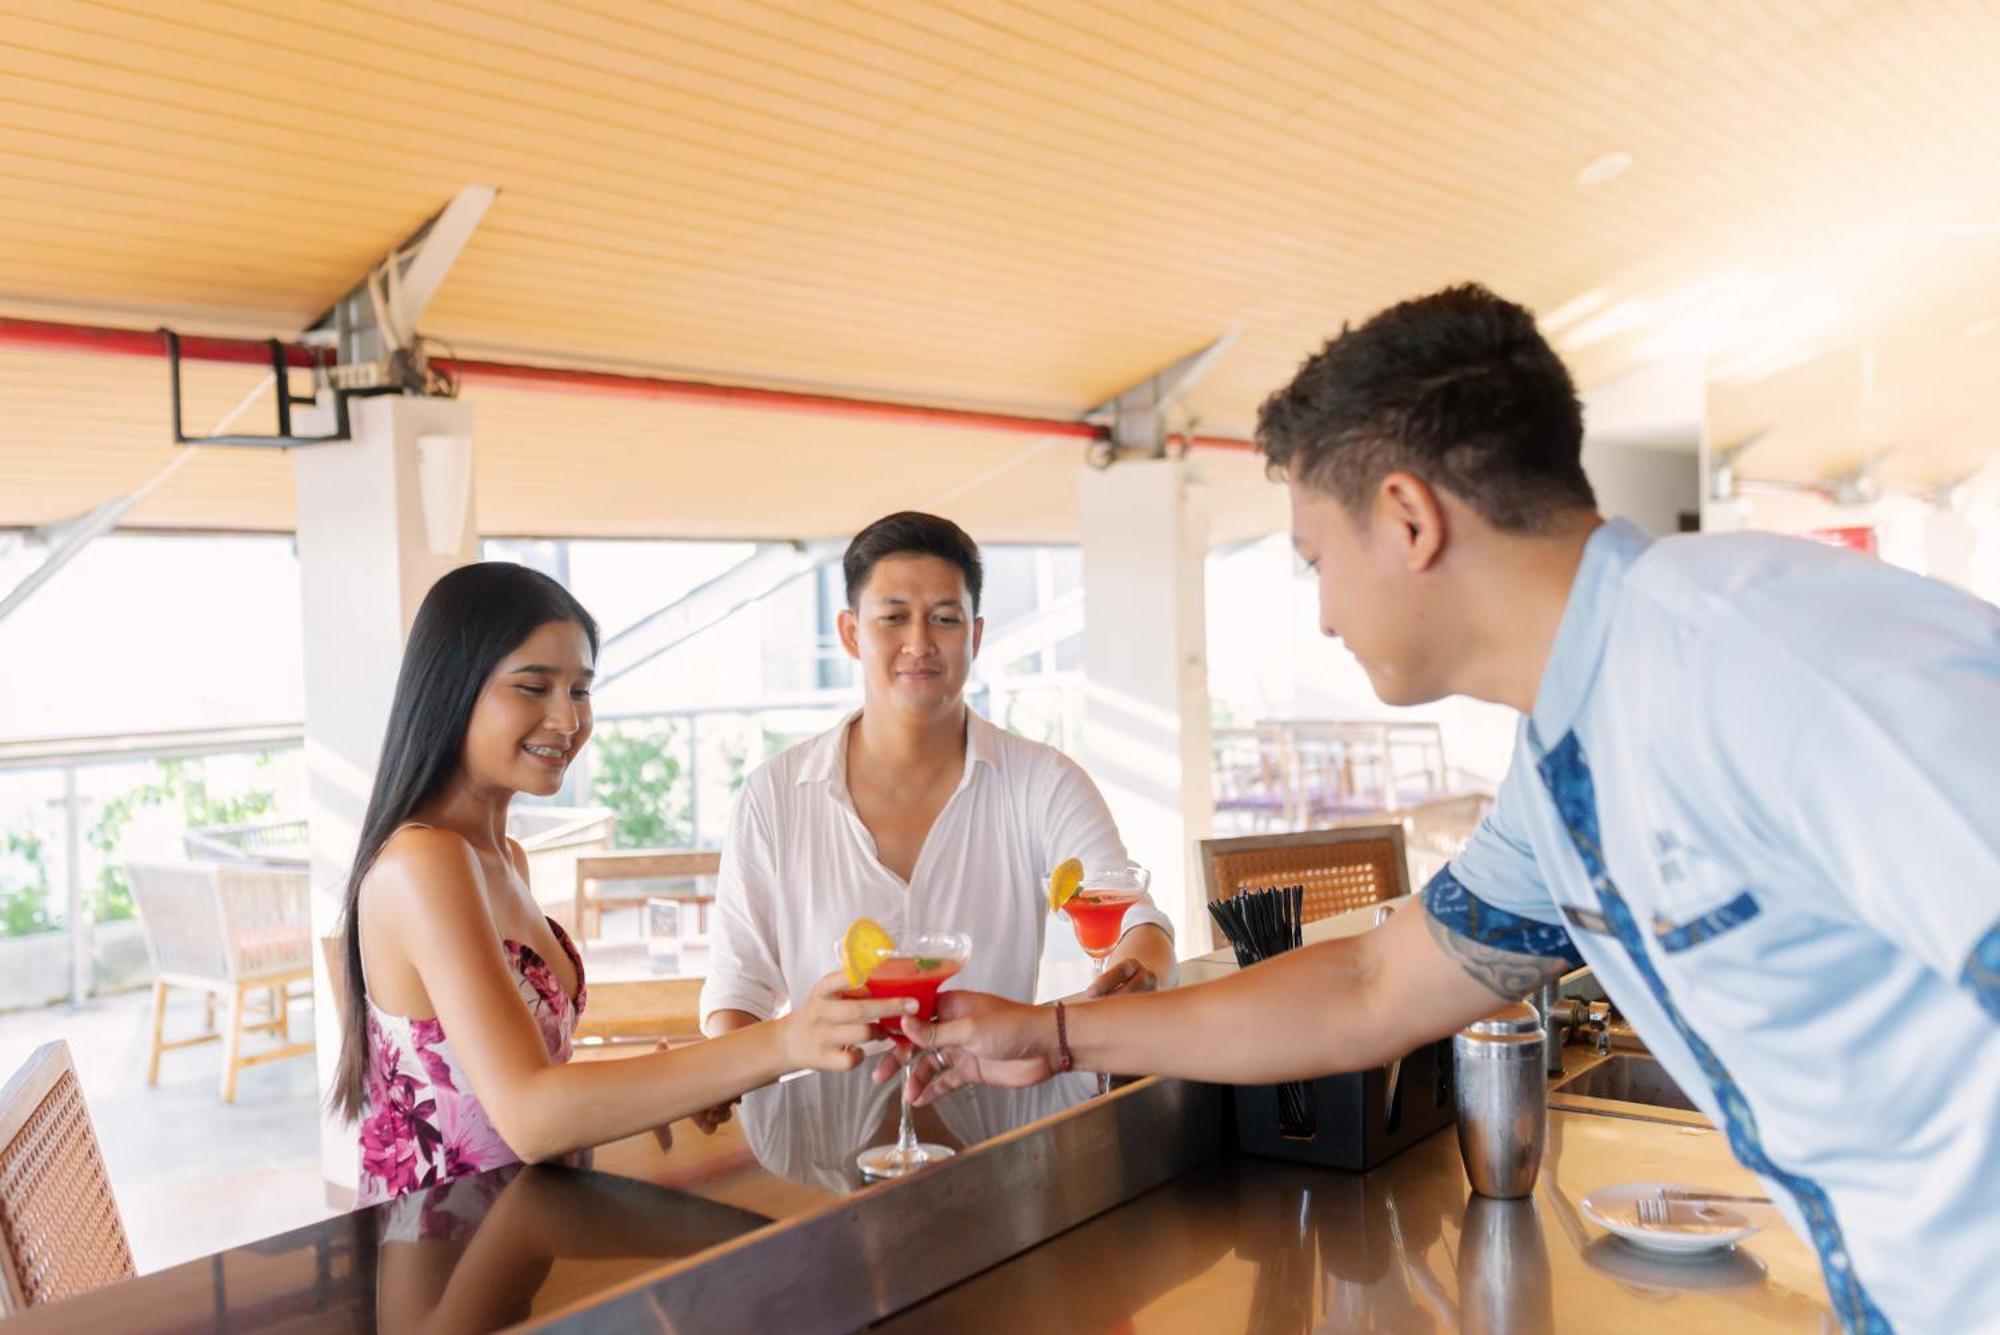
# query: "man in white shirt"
(914, 811)
(1756, 787)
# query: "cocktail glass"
(1096, 913)
(919, 964)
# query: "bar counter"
(1063, 1211)
(1131, 1211)
(1250, 1244)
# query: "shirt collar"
(1586, 626)
(826, 759)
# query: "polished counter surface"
(1128, 1212)
(1258, 1245)
(526, 1244)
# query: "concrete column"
(368, 552)
(1643, 443)
(1144, 528)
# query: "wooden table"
(632, 998)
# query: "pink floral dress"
(422, 1124)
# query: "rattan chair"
(1347, 868)
(60, 1233)
(241, 934)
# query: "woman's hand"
(826, 1030)
(981, 1040)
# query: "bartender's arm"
(1341, 1005)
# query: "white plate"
(1691, 1227)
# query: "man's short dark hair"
(1458, 388)
(911, 533)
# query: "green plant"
(180, 783)
(24, 908)
(637, 773)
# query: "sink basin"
(1628, 1077)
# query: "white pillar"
(1144, 528)
(1643, 439)
(368, 552)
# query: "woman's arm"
(425, 895)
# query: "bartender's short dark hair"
(1458, 388)
(911, 533)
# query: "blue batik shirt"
(1760, 795)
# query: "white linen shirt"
(1760, 792)
(799, 866)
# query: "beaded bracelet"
(1065, 1060)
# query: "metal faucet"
(1571, 1014)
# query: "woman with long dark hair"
(462, 997)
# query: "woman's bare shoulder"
(427, 865)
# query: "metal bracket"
(1862, 483)
(372, 327)
(280, 386)
(1138, 416)
(1722, 476)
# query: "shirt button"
(1838, 1260)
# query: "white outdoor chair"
(243, 934)
(60, 1234)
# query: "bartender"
(1755, 785)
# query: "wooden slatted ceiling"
(1027, 203)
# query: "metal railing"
(67, 756)
(1045, 707)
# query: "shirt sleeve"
(1077, 824)
(743, 971)
(1493, 891)
(1889, 796)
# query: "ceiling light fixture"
(1607, 168)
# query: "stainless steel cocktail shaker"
(1503, 1101)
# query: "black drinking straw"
(1259, 925)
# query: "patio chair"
(60, 1234)
(1341, 869)
(694, 870)
(242, 934)
(1438, 829)
(1252, 779)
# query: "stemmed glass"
(1097, 914)
(915, 966)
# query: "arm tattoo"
(1502, 972)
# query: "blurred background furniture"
(60, 1233)
(629, 877)
(1341, 869)
(552, 837)
(1253, 778)
(239, 933)
(1435, 831)
(1302, 774)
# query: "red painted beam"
(50, 335)
(46, 334)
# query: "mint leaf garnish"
(926, 963)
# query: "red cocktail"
(1095, 899)
(911, 976)
(1097, 916)
(916, 965)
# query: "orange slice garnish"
(1064, 882)
(864, 947)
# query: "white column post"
(380, 518)
(1144, 527)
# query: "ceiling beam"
(57, 336)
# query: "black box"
(1351, 1129)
